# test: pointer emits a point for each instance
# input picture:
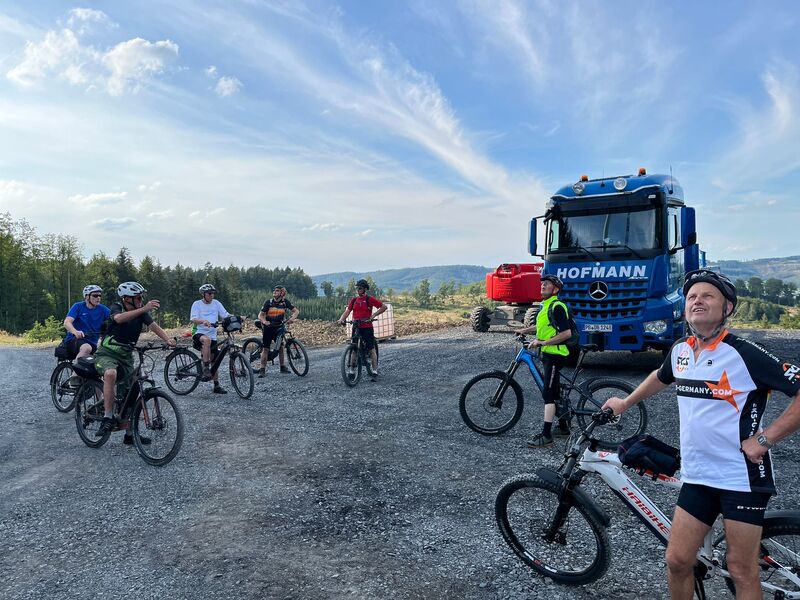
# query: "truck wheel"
(480, 319)
(530, 315)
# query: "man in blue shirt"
(83, 323)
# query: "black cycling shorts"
(269, 334)
(368, 335)
(74, 346)
(705, 503)
(198, 345)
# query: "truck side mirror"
(688, 227)
(532, 245)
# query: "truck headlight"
(656, 327)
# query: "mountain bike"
(487, 409)
(148, 413)
(555, 526)
(183, 369)
(295, 351)
(355, 356)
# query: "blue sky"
(371, 135)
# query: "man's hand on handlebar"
(615, 404)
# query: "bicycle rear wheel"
(251, 348)
(62, 390)
(241, 375)
(298, 357)
(182, 371)
(351, 365)
(525, 508)
(488, 408)
(593, 394)
(89, 412)
(157, 418)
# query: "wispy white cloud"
(149, 187)
(113, 223)
(365, 233)
(161, 215)
(82, 19)
(227, 86)
(766, 138)
(98, 199)
(322, 227)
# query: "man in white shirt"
(205, 314)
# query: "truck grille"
(625, 300)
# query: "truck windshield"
(635, 230)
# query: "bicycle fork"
(497, 398)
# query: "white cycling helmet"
(91, 288)
(130, 288)
(207, 287)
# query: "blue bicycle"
(487, 409)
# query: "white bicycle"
(558, 529)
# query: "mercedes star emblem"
(598, 290)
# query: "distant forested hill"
(407, 279)
(785, 269)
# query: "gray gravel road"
(307, 490)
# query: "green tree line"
(772, 290)
(41, 276)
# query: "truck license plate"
(604, 327)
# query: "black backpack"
(574, 340)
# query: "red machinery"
(518, 286)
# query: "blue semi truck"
(621, 245)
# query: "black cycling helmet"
(718, 280)
(362, 283)
(554, 280)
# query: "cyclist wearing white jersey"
(723, 383)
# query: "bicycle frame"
(609, 468)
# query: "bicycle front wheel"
(62, 390)
(778, 558)
(157, 428)
(525, 509)
(182, 371)
(351, 365)
(241, 375)
(251, 348)
(593, 394)
(89, 413)
(298, 357)
(487, 406)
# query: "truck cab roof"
(633, 183)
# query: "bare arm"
(649, 387)
(71, 328)
(380, 311)
(295, 312)
(345, 314)
(780, 428)
(129, 315)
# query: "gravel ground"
(309, 489)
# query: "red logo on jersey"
(722, 390)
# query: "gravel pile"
(309, 489)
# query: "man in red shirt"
(361, 306)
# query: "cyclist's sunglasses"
(95, 295)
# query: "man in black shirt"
(114, 356)
(272, 317)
